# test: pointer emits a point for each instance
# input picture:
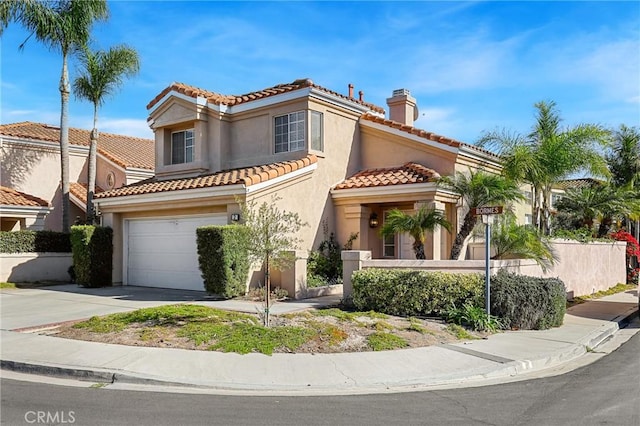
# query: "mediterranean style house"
(30, 196)
(339, 162)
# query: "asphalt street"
(604, 392)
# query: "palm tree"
(547, 155)
(64, 26)
(513, 241)
(102, 73)
(624, 158)
(425, 219)
(603, 202)
(477, 189)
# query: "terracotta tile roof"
(247, 176)
(412, 130)
(219, 99)
(578, 183)
(402, 175)
(126, 151)
(11, 197)
(79, 190)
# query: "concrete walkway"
(503, 355)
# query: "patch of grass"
(245, 338)
(619, 288)
(380, 341)
(382, 326)
(414, 325)
(161, 315)
(347, 315)
(328, 332)
(151, 333)
(459, 332)
(7, 285)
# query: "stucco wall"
(584, 268)
(30, 267)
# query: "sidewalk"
(502, 355)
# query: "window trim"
(187, 159)
(320, 115)
(299, 142)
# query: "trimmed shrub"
(528, 303)
(34, 242)
(92, 248)
(223, 259)
(410, 293)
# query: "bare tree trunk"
(64, 142)
(467, 226)
(418, 248)
(267, 287)
(91, 168)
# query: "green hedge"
(223, 259)
(92, 248)
(528, 303)
(34, 242)
(410, 293)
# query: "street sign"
(482, 211)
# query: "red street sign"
(482, 211)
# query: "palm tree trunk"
(467, 226)
(91, 168)
(418, 248)
(64, 142)
(605, 226)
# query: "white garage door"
(163, 252)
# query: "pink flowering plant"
(633, 250)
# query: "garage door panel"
(163, 252)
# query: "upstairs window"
(316, 131)
(182, 147)
(290, 132)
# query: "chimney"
(361, 96)
(350, 90)
(402, 107)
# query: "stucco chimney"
(402, 107)
(361, 96)
(351, 90)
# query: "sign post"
(487, 214)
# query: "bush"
(411, 293)
(92, 248)
(223, 259)
(34, 242)
(324, 266)
(528, 303)
(474, 317)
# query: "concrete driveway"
(24, 308)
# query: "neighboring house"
(30, 164)
(330, 157)
(21, 211)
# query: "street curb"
(509, 369)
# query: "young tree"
(477, 189)
(272, 238)
(424, 220)
(549, 154)
(101, 74)
(64, 26)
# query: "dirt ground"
(344, 335)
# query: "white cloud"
(128, 127)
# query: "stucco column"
(356, 219)
(434, 240)
(351, 262)
(294, 279)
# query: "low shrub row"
(34, 242)
(528, 303)
(223, 259)
(411, 293)
(519, 301)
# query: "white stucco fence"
(31, 267)
(584, 268)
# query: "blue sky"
(472, 66)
